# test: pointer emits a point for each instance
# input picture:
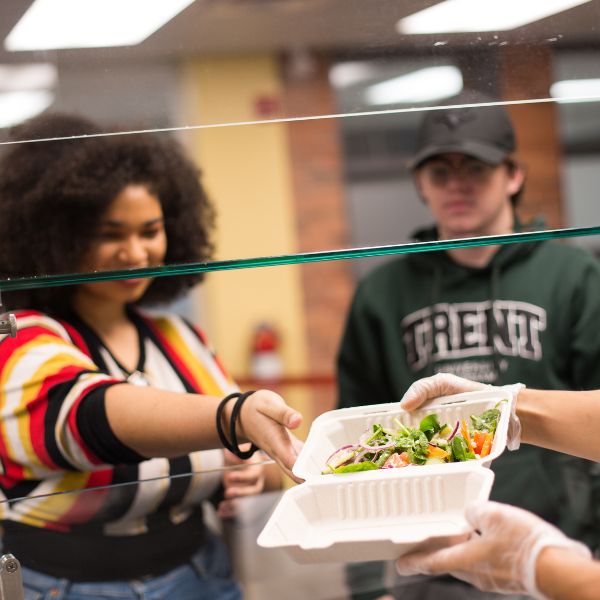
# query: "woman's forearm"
(158, 423)
(560, 420)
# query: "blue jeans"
(206, 577)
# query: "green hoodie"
(532, 315)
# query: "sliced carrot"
(479, 438)
(487, 445)
(435, 452)
(464, 430)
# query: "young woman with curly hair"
(96, 392)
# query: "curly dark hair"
(53, 195)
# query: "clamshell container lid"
(380, 515)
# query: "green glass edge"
(42, 281)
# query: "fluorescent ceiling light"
(454, 16)
(16, 107)
(33, 76)
(425, 85)
(350, 73)
(53, 24)
(576, 90)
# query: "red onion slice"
(360, 456)
(455, 430)
(343, 454)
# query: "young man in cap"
(498, 314)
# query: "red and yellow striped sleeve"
(44, 378)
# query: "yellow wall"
(247, 175)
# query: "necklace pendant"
(138, 378)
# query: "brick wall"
(537, 129)
(318, 187)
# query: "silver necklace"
(138, 378)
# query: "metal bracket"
(11, 580)
(8, 325)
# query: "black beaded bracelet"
(233, 445)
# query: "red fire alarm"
(267, 106)
(265, 361)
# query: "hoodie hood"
(455, 273)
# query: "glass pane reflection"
(288, 108)
(318, 186)
(261, 572)
(271, 46)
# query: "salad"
(430, 443)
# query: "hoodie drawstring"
(436, 285)
(494, 293)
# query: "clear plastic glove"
(446, 384)
(500, 556)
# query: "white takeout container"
(380, 515)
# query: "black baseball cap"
(484, 132)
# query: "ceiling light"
(454, 16)
(16, 107)
(33, 76)
(576, 90)
(350, 73)
(53, 24)
(425, 85)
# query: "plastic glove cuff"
(559, 541)
(514, 426)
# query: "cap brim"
(489, 154)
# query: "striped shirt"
(55, 436)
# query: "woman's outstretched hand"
(266, 420)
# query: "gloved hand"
(500, 556)
(446, 384)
